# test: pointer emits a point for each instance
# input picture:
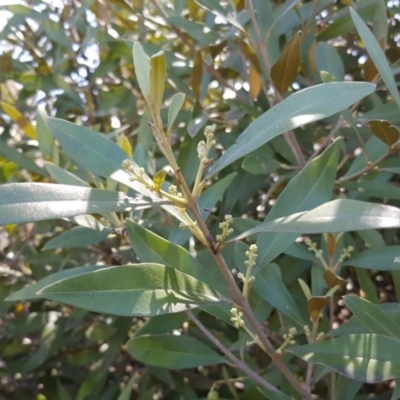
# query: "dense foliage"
(192, 193)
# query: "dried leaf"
(255, 82)
(385, 131)
(285, 70)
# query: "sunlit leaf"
(342, 215)
(28, 202)
(301, 108)
(175, 106)
(132, 290)
(377, 55)
(158, 72)
(363, 357)
(372, 317)
(19, 119)
(142, 69)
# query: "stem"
(289, 136)
(310, 365)
(244, 306)
(332, 374)
(236, 361)
(367, 168)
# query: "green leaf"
(24, 162)
(364, 357)
(367, 285)
(377, 55)
(159, 324)
(63, 176)
(153, 248)
(372, 317)
(44, 136)
(377, 259)
(213, 194)
(79, 236)
(340, 215)
(158, 73)
(172, 352)
(270, 287)
(101, 156)
(127, 390)
(132, 290)
(301, 108)
(91, 150)
(260, 164)
(29, 293)
(28, 202)
(311, 187)
(176, 104)
(374, 188)
(328, 59)
(273, 395)
(142, 69)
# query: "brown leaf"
(285, 70)
(388, 133)
(370, 70)
(197, 73)
(315, 306)
(333, 280)
(331, 245)
(255, 82)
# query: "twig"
(289, 136)
(236, 361)
(367, 168)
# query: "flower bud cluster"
(226, 231)
(203, 148)
(237, 318)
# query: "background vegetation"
(233, 60)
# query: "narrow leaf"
(132, 290)
(158, 72)
(301, 108)
(255, 81)
(340, 215)
(311, 187)
(29, 293)
(269, 286)
(28, 202)
(101, 156)
(363, 357)
(172, 352)
(377, 55)
(377, 259)
(197, 74)
(176, 105)
(44, 136)
(20, 120)
(372, 317)
(63, 176)
(142, 69)
(125, 145)
(285, 70)
(153, 248)
(370, 71)
(79, 236)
